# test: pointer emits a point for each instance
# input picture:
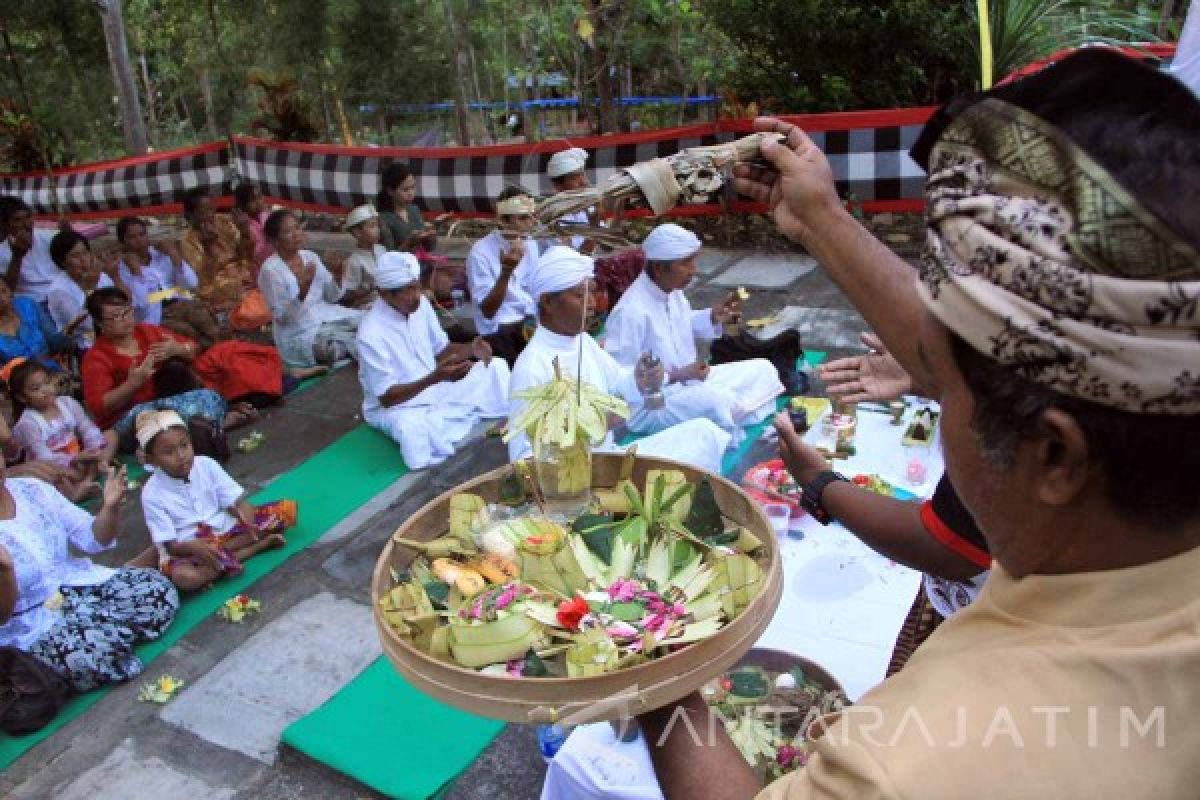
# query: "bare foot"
(300, 373)
(239, 415)
(274, 541)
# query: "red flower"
(242, 600)
(571, 612)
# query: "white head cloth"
(359, 215)
(396, 270)
(558, 269)
(670, 242)
(566, 161)
(151, 423)
(518, 204)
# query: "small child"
(197, 515)
(55, 428)
(358, 272)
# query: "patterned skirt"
(270, 518)
(922, 620)
(93, 642)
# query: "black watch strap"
(810, 500)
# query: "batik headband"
(1039, 259)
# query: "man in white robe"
(560, 286)
(654, 316)
(496, 270)
(565, 169)
(418, 388)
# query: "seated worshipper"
(248, 203)
(55, 428)
(418, 387)
(560, 286)
(220, 249)
(401, 226)
(25, 261)
(358, 270)
(138, 367)
(81, 274)
(310, 327)
(496, 274)
(27, 332)
(1052, 324)
(198, 516)
(654, 316)
(78, 617)
(565, 171)
(161, 285)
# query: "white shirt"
(394, 349)
(359, 272)
(65, 299)
(39, 538)
(535, 366)
(483, 271)
(38, 269)
(158, 276)
(175, 508)
(296, 321)
(648, 320)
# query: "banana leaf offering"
(643, 571)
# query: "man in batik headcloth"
(419, 388)
(1057, 320)
(560, 285)
(654, 316)
(496, 273)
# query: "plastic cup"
(779, 515)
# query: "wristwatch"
(810, 500)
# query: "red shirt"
(104, 369)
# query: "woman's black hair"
(125, 223)
(98, 300)
(10, 204)
(17, 380)
(243, 194)
(63, 243)
(192, 199)
(394, 174)
(275, 222)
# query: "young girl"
(198, 516)
(55, 428)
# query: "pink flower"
(622, 590)
(516, 667)
(621, 630)
(506, 597)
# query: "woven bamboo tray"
(614, 695)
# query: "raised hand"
(872, 377)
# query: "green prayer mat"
(328, 486)
(382, 732)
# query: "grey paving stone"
(280, 674)
(820, 328)
(766, 271)
(123, 775)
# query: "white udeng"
(648, 320)
(396, 349)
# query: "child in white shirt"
(56, 429)
(358, 271)
(198, 516)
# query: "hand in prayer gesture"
(170, 248)
(241, 220)
(335, 262)
(729, 310)
(510, 259)
(143, 371)
(108, 264)
(875, 376)
(21, 242)
(169, 349)
(803, 461)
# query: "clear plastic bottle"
(652, 393)
(458, 297)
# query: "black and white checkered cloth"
(867, 150)
(149, 184)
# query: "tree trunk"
(210, 110)
(461, 120)
(151, 111)
(484, 117)
(531, 115)
(1164, 21)
(132, 124)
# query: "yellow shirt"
(1069, 686)
(223, 276)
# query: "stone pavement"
(219, 738)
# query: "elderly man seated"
(1056, 321)
(655, 317)
(560, 285)
(418, 387)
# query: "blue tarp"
(550, 102)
